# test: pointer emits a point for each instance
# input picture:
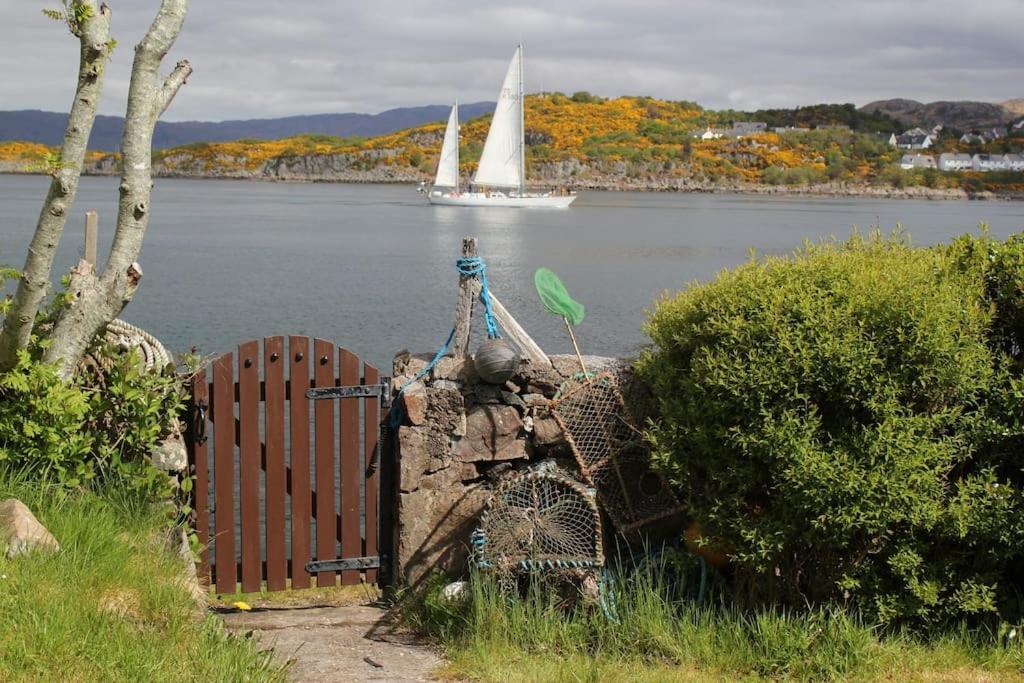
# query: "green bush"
(98, 429)
(841, 419)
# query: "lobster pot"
(539, 519)
(496, 361)
(611, 452)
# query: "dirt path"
(346, 643)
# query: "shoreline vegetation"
(820, 190)
(583, 142)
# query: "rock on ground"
(20, 531)
(349, 643)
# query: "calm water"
(372, 267)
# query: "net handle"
(576, 346)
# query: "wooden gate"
(290, 476)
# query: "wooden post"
(91, 232)
(469, 291)
(516, 332)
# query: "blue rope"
(468, 266)
(474, 265)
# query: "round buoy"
(714, 551)
(496, 361)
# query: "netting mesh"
(611, 452)
(539, 519)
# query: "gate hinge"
(370, 562)
(354, 391)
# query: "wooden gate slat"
(273, 419)
(224, 473)
(249, 463)
(348, 441)
(298, 425)
(371, 426)
(326, 543)
(201, 472)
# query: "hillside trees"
(94, 300)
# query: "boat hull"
(481, 199)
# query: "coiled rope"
(124, 336)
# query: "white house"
(989, 162)
(1015, 162)
(993, 134)
(914, 140)
(710, 134)
(955, 162)
(971, 139)
(910, 161)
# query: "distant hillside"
(963, 116)
(584, 141)
(48, 127)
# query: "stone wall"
(458, 436)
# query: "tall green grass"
(535, 636)
(113, 604)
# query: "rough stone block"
(536, 400)
(170, 454)
(492, 433)
(510, 399)
(414, 457)
(406, 363)
(444, 407)
(455, 369)
(537, 379)
(435, 527)
(21, 532)
(547, 432)
(415, 401)
(568, 365)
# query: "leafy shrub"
(41, 419)
(98, 429)
(840, 418)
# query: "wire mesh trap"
(611, 452)
(539, 519)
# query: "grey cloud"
(258, 58)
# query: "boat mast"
(457, 146)
(522, 128)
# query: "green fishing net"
(555, 298)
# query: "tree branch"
(173, 83)
(95, 45)
(98, 300)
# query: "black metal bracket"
(371, 562)
(382, 390)
(199, 422)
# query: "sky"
(263, 58)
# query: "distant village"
(913, 139)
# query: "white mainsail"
(448, 163)
(501, 163)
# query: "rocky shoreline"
(329, 169)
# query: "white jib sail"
(501, 160)
(448, 162)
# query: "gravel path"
(347, 643)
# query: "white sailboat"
(501, 174)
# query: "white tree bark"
(94, 36)
(96, 300)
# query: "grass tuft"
(534, 636)
(111, 604)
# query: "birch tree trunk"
(96, 300)
(91, 24)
